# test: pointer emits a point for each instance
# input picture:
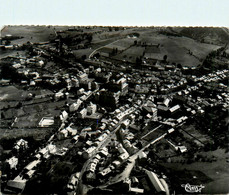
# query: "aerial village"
(98, 125)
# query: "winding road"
(92, 53)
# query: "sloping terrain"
(211, 35)
(187, 46)
(29, 33)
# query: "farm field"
(80, 52)
(217, 171)
(28, 114)
(29, 33)
(177, 48)
(11, 93)
(6, 53)
(131, 54)
(122, 44)
(202, 138)
(37, 133)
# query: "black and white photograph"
(114, 97)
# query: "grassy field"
(131, 54)
(111, 34)
(28, 115)
(37, 133)
(213, 35)
(80, 52)
(122, 44)
(10, 52)
(29, 33)
(218, 172)
(14, 93)
(177, 48)
(197, 134)
(11, 93)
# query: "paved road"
(101, 48)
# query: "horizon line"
(96, 25)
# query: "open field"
(184, 49)
(217, 171)
(164, 150)
(122, 44)
(29, 33)
(111, 34)
(218, 36)
(131, 54)
(6, 53)
(80, 52)
(38, 133)
(203, 138)
(11, 93)
(181, 50)
(177, 48)
(28, 114)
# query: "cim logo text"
(192, 188)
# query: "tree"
(113, 51)
(8, 42)
(116, 28)
(138, 61)
(89, 38)
(97, 55)
(165, 58)
(83, 57)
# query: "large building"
(155, 182)
(46, 121)
(119, 85)
(82, 113)
(82, 77)
(122, 83)
(75, 106)
(91, 109)
(109, 99)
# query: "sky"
(115, 12)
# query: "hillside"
(210, 35)
(187, 46)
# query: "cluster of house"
(203, 83)
(140, 107)
(212, 77)
(20, 145)
(19, 182)
(174, 86)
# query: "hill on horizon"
(187, 46)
